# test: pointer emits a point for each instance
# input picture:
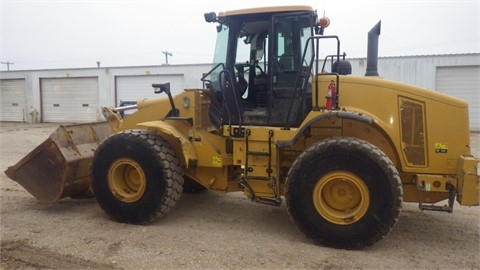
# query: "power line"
(8, 64)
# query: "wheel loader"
(279, 122)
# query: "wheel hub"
(126, 180)
(341, 197)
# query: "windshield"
(219, 60)
(220, 55)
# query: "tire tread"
(370, 150)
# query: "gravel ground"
(208, 231)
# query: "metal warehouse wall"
(106, 82)
(416, 70)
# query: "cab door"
(291, 62)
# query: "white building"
(76, 95)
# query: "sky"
(39, 34)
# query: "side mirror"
(210, 17)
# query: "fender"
(179, 141)
(333, 114)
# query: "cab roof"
(264, 10)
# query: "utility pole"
(166, 56)
(8, 64)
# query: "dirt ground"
(208, 231)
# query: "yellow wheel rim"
(126, 180)
(341, 197)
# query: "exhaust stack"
(372, 51)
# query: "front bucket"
(59, 167)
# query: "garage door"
(132, 88)
(462, 82)
(12, 100)
(70, 100)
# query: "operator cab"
(262, 66)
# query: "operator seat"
(260, 90)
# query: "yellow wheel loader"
(277, 123)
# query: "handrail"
(210, 72)
(317, 54)
(313, 41)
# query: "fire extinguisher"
(331, 95)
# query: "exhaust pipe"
(372, 51)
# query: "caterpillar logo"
(441, 148)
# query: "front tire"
(136, 176)
(344, 193)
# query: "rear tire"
(136, 176)
(344, 193)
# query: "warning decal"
(441, 148)
(217, 161)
